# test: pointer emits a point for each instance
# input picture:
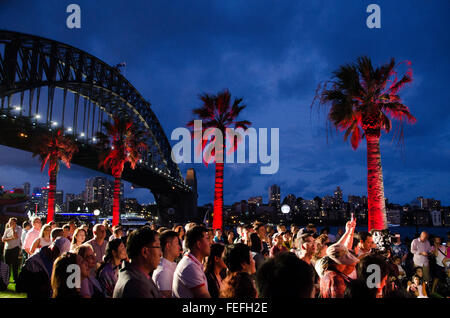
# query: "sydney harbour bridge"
(45, 85)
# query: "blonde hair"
(8, 225)
(46, 226)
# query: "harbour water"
(404, 231)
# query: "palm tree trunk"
(375, 188)
(116, 202)
(51, 196)
(218, 197)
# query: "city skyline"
(273, 55)
(274, 198)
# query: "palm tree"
(122, 143)
(217, 113)
(363, 98)
(51, 149)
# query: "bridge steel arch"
(29, 63)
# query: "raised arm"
(347, 237)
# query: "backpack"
(4, 276)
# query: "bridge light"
(69, 129)
(82, 134)
(94, 139)
(54, 123)
(17, 108)
(37, 116)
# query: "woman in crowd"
(108, 272)
(238, 285)
(60, 276)
(79, 236)
(90, 287)
(215, 268)
(256, 249)
(417, 287)
(43, 239)
(11, 238)
(180, 230)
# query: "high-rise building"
(337, 198)
(274, 195)
(255, 200)
(26, 188)
(59, 198)
(100, 190)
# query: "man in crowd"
(335, 278)
(144, 252)
(399, 249)
(171, 250)
(365, 244)
(34, 278)
(26, 226)
(66, 231)
(285, 276)
(58, 232)
(98, 243)
(189, 280)
(421, 247)
(117, 232)
(32, 234)
(72, 227)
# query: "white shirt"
(163, 274)
(9, 234)
(188, 274)
(417, 247)
(440, 255)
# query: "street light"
(285, 209)
(96, 212)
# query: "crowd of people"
(192, 261)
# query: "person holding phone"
(421, 248)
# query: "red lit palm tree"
(363, 98)
(51, 149)
(217, 112)
(122, 143)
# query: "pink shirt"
(30, 237)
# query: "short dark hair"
(285, 276)
(165, 237)
(57, 231)
(363, 235)
(256, 243)
(235, 255)
(369, 260)
(194, 234)
(66, 226)
(358, 289)
(25, 224)
(138, 239)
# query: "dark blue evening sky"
(273, 54)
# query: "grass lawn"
(11, 291)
